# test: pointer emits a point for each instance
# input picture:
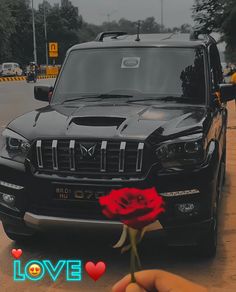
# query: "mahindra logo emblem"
(87, 150)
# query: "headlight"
(15, 147)
(184, 151)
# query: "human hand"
(157, 280)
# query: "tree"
(209, 14)
(63, 24)
(228, 28)
(7, 27)
(185, 28)
(149, 25)
(220, 16)
(21, 39)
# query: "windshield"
(146, 72)
(7, 66)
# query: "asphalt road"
(218, 274)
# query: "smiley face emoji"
(34, 270)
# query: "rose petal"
(134, 207)
(140, 222)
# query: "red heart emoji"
(95, 271)
(16, 253)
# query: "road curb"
(21, 78)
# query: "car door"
(219, 108)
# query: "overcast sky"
(176, 12)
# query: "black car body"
(123, 113)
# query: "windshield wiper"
(100, 96)
(109, 95)
(74, 99)
(164, 98)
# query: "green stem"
(138, 262)
(132, 266)
(132, 236)
(137, 258)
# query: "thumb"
(134, 288)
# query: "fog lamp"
(8, 199)
(186, 207)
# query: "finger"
(122, 284)
(146, 279)
(134, 288)
(158, 280)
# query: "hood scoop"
(98, 121)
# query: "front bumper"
(44, 222)
(35, 208)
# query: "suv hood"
(110, 121)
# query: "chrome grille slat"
(39, 153)
(139, 162)
(103, 156)
(122, 157)
(72, 155)
(54, 155)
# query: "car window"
(158, 71)
(215, 66)
(7, 66)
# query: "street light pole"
(34, 37)
(162, 15)
(45, 32)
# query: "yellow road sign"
(53, 54)
(53, 50)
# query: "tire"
(224, 168)
(17, 236)
(208, 246)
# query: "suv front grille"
(90, 157)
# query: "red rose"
(134, 207)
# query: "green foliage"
(209, 14)
(64, 25)
(16, 33)
(5, 30)
(220, 16)
(229, 30)
(20, 42)
(149, 25)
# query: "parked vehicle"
(11, 69)
(125, 112)
(0, 70)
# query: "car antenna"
(138, 31)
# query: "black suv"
(125, 111)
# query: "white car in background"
(11, 69)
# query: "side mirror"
(43, 92)
(227, 92)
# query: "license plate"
(78, 193)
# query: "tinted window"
(149, 71)
(216, 69)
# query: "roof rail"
(113, 34)
(194, 36)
